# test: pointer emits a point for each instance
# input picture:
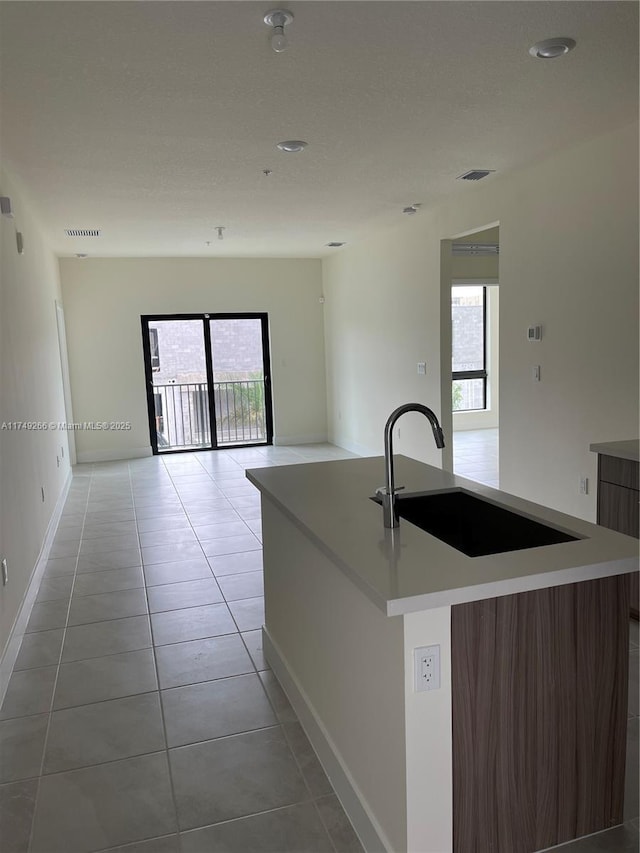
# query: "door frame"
(206, 331)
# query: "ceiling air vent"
(334, 245)
(475, 174)
(82, 232)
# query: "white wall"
(104, 299)
(568, 260)
(30, 390)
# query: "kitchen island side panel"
(347, 658)
(539, 683)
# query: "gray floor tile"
(104, 731)
(193, 623)
(235, 776)
(21, 747)
(202, 660)
(245, 585)
(29, 692)
(230, 545)
(232, 564)
(109, 516)
(100, 530)
(249, 613)
(107, 606)
(17, 804)
(69, 534)
(99, 679)
(99, 639)
(64, 549)
(217, 531)
(113, 580)
(102, 806)
(110, 560)
(174, 596)
(167, 537)
(203, 518)
(338, 825)
(60, 566)
(293, 829)
(167, 844)
(105, 544)
(171, 522)
(171, 553)
(39, 649)
(253, 642)
(157, 511)
(314, 775)
(55, 589)
(215, 709)
(48, 615)
(175, 572)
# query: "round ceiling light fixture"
(278, 20)
(552, 48)
(291, 146)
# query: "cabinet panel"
(618, 509)
(624, 472)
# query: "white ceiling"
(154, 120)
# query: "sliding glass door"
(204, 369)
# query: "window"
(469, 347)
(155, 352)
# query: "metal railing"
(182, 414)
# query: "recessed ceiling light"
(334, 245)
(292, 145)
(552, 48)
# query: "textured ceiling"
(154, 120)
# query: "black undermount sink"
(474, 525)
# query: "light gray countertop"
(406, 569)
(621, 449)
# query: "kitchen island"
(522, 745)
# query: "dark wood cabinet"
(619, 505)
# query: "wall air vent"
(466, 249)
(475, 174)
(334, 245)
(82, 232)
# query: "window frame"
(483, 374)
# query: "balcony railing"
(182, 414)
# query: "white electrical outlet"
(5, 573)
(536, 373)
(422, 368)
(426, 661)
(584, 485)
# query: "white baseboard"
(113, 455)
(354, 447)
(371, 835)
(317, 438)
(12, 647)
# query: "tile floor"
(475, 455)
(141, 715)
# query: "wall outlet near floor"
(536, 373)
(57, 461)
(426, 661)
(422, 368)
(584, 485)
(5, 573)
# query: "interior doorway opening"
(474, 355)
(208, 381)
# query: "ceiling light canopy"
(291, 146)
(278, 19)
(552, 48)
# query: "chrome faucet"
(388, 491)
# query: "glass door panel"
(240, 380)
(179, 410)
